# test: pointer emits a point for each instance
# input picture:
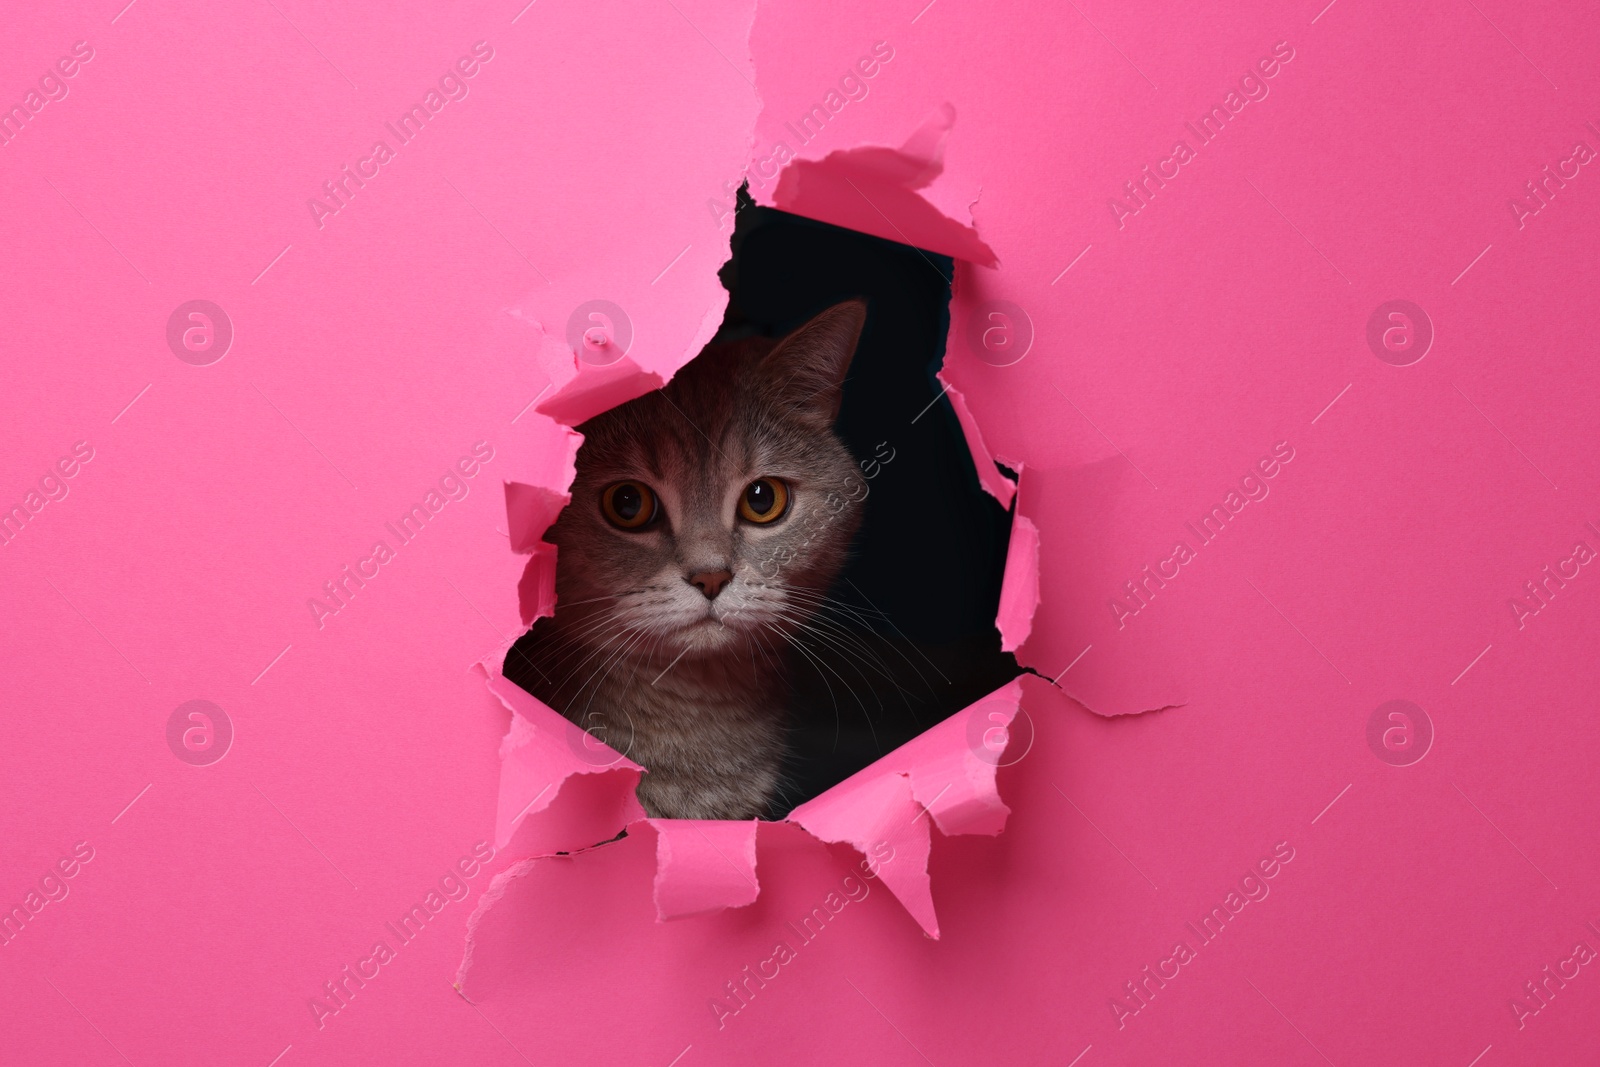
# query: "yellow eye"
(764, 500)
(629, 505)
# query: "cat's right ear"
(805, 373)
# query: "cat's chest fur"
(710, 731)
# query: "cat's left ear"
(805, 373)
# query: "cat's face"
(718, 509)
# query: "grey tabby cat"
(707, 521)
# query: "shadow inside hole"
(909, 637)
(913, 639)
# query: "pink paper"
(1019, 595)
(704, 865)
(993, 481)
(539, 753)
(257, 764)
(878, 191)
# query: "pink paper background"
(587, 161)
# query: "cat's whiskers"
(797, 638)
(846, 657)
(819, 621)
(591, 623)
(821, 664)
(571, 643)
(848, 644)
(595, 599)
(599, 676)
(629, 636)
(891, 624)
(858, 614)
(652, 626)
(814, 596)
(594, 648)
(568, 635)
(815, 663)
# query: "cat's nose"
(710, 582)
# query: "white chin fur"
(694, 624)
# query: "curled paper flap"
(876, 190)
(946, 774)
(952, 766)
(535, 482)
(704, 865)
(1019, 590)
(993, 481)
(530, 509)
(539, 753)
(536, 590)
(543, 454)
(873, 809)
(602, 361)
(594, 388)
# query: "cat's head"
(719, 508)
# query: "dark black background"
(920, 591)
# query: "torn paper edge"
(702, 888)
(850, 187)
(530, 747)
(913, 780)
(1019, 588)
(990, 477)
